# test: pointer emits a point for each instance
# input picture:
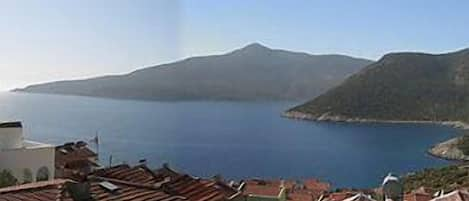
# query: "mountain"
(398, 87)
(252, 72)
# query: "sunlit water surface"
(236, 139)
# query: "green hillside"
(400, 86)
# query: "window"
(42, 174)
(27, 175)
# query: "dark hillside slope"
(253, 72)
(400, 86)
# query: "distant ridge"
(399, 87)
(254, 72)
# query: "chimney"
(11, 135)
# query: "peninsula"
(400, 87)
(254, 72)
(453, 149)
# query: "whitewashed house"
(27, 161)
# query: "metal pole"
(97, 144)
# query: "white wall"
(17, 160)
(11, 138)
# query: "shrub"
(7, 178)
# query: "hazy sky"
(60, 39)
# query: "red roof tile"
(289, 184)
(305, 192)
(39, 191)
(61, 190)
(458, 195)
(128, 191)
(417, 196)
(425, 190)
(74, 160)
(316, 185)
(273, 182)
(339, 196)
(138, 174)
(72, 152)
(301, 196)
(261, 190)
(262, 187)
(194, 189)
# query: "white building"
(28, 161)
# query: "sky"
(51, 40)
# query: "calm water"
(236, 139)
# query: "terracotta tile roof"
(81, 163)
(126, 191)
(262, 190)
(74, 161)
(304, 193)
(263, 187)
(339, 196)
(301, 190)
(70, 152)
(425, 190)
(61, 190)
(125, 183)
(458, 195)
(138, 174)
(289, 184)
(316, 185)
(273, 182)
(39, 191)
(194, 189)
(300, 196)
(417, 196)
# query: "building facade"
(27, 161)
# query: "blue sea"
(235, 139)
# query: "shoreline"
(449, 150)
(446, 150)
(330, 118)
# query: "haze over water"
(236, 139)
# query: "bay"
(236, 139)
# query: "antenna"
(97, 143)
(110, 160)
(95, 140)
